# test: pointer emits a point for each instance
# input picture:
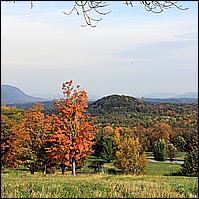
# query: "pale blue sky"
(42, 47)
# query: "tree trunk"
(73, 167)
(45, 169)
(32, 169)
(62, 169)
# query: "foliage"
(108, 149)
(33, 129)
(190, 166)
(160, 131)
(9, 142)
(193, 144)
(128, 152)
(97, 148)
(126, 111)
(157, 121)
(11, 112)
(160, 150)
(72, 130)
(104, 147)
(180, 143)
(6, 125)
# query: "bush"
(160, 150)
(190, 166)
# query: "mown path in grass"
(155, 184)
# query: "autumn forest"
(115, 128)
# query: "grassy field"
(156, 183)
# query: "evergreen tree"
(190, 166)
(160, 150)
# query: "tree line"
(69, 134)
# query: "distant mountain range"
(172, 100)
(47, 96)
(13, 95)
(188, 95)
(50, 96)
(163, 95)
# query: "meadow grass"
(154, 184)
(159, 168)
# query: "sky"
(130, 51)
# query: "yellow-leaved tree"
(129, 155)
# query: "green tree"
(160, 150)
(107, 149)
(98, 143)
(190, 166)
(105, 146)
(180, 143)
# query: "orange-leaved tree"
(9, 138)
(160, 131)
(6, 137)
(33, 133)
(73, 129)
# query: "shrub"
(160, 150)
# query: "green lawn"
(163, 169)
(155, 183)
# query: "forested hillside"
(129, 112)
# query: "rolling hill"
(128, 111)
(12, 95)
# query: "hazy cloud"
(42, 48)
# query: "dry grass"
(24, 185)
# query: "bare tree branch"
(150, 6)
(89, 9)
(85, 7)
(160, 6)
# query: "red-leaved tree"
(73, 130)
